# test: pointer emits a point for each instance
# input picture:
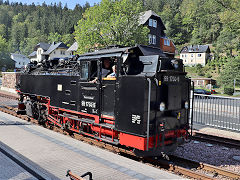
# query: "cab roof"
(141, 50)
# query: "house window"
(185, 60)
(191, 55)
(150, 22)
(182, 55)
(150, 38)
(23, 63)
(63, 52)
(54, 52)
(19, 63)
(199, 55)
(155, 23)
(166, 42)
(154, 39)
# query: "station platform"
(50, 154)
(11, 170)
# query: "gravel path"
(215, 155)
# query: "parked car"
(202, 91)
(213, 91)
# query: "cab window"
(84, 70)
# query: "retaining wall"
(9, 81)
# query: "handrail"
(149, 102)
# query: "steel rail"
(9, 96)
(233, 143)
(179, 170)
(207, 167)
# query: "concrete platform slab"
(217, 132)
(52, 154)
(10, 170)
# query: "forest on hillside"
(214, 22)
(23, 26)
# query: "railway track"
(231, 143)
(177, 165)
(9, 96)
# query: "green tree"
(27, 45)
(68, 39)
(3, 30)
(5, 59)
(3, 44)
(229, 38)
(172, 19)
(230, 72)
(201, 17)
(111, 22)
(54, 37)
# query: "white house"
(195, 54)
(73, 48)
(20, 60)
(49, 51)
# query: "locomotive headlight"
(186, 105)
(162, 106)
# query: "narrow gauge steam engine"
(145, 107)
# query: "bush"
(199, 66)
(228, 90)
(201, 73)
(208, 75)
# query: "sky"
(70, 3)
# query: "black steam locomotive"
(141, 103)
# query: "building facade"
(49, 51)
(73, 48)
(195, 54)
(167, 46)
(204, 82)
(157, 37)
(20, 60)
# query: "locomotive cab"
(143, 106)
(153, 106)
(148, 99)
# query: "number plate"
(171, 79)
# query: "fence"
(217, 111)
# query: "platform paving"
(51, 154)
(11, 170)
(217, 132)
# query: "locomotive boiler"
(143, 106)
